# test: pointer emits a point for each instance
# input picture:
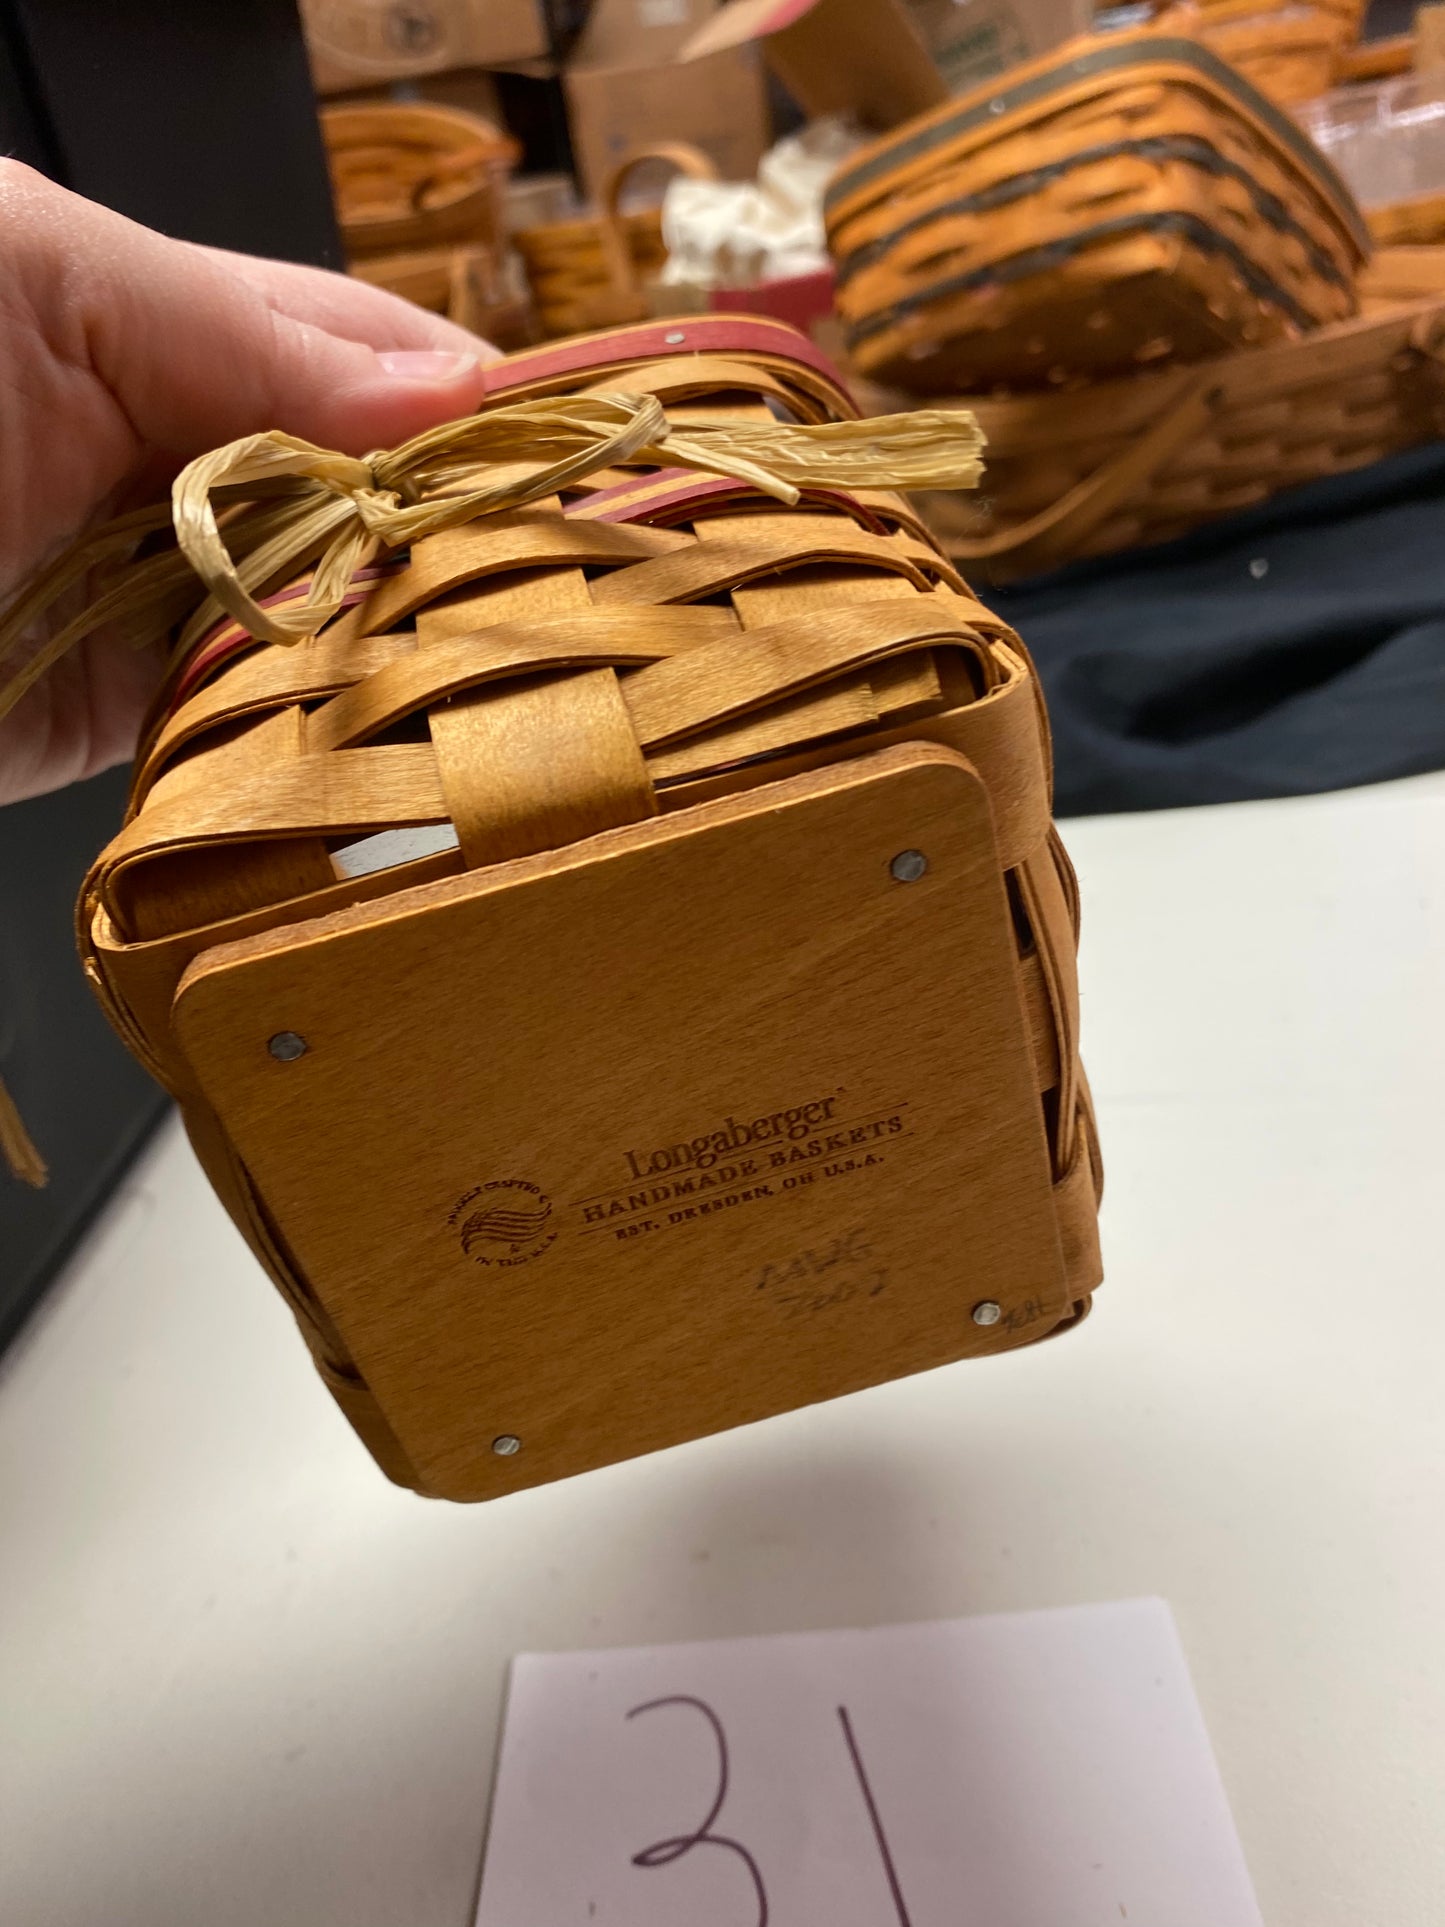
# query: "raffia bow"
(260, 511)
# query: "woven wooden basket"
(1374, 59)
(1124, 201)
(1402, 274)
(620, 976)
(1289, 53)
(415, 175)
(1419, 222)
(1126, 463)
(594, 272)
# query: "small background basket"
(1398, 275)
(594, 272)
(1129, 200)
(1289, 53)
(415, 175)
(1129, 463)
(1415, 223)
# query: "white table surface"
(244, 1682)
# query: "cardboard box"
(474, 89)
(625, 90)
(885, 61)
(366, 43)
(860, 57)
(976, 41)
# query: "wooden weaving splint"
(620, 975)
(1124, 201)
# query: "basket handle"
(688, 160)
(1080, 510)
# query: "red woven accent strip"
(229, 639)
(648, 341)
(650, 494)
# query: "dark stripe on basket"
(1111, 57)
(1155, 147)
(1053, 254)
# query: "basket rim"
(681, 335)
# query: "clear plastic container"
(1386, 137)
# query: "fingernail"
(426, 364)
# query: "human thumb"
(255, 366)
(198, 348)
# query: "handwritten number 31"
(662, 1853)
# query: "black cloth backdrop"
(1189, 673)
(200, 120)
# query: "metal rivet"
(1259, 567)
(995, 106)
(286, 1046)
(988, 1313)
(506, 1445)
(674, 337)
(908, 866)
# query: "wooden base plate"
(688, 1124)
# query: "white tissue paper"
(734, 234)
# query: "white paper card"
(1044, 1769)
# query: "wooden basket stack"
(1289, 51)
(595, 271)
(1416, 223)
(1126, 201)
(1097, 458)
(620, 975)
(419, 198)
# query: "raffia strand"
(256, 513)
(17, 1147)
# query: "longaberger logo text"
(734, 1135)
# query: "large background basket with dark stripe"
(1125, 202)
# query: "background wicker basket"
(1374, 59)
(1415, 223)
(1122, 464)
(1402, 274)
(1127, 200)
(1289, 53)
(533, 699)
(593, 272)
(415, 175)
